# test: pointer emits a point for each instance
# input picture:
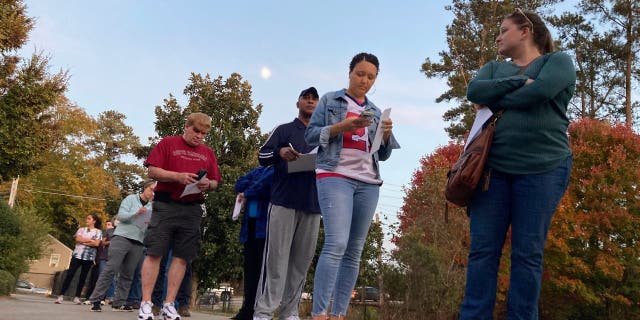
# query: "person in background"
(348, 177)
(125, 249)
(294, 219)
(83, 257)
(176, 162)
(101, 259)
(528, 167)
(112, 288)
(253, 189)
(135, 292)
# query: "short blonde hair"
(199, 120)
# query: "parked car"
(371, 294)
(24, 286)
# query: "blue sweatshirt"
(256, 186)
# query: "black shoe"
(124, 308)
(96, 307)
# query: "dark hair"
(98, 221)
(363, 56)
(541, 35)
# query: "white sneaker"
(169, 312)
(146, 312)
(76, 300)
(59, 300)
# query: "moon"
(265, 73)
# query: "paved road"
(38, 307)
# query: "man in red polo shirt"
(179, 164)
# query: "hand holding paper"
(193, 187)
(377, 140)
(142, 218)
(238, 207)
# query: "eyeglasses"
(518, 10)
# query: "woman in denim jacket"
(344, 125)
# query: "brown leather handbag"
(468, 171)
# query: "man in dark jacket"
(294, 216)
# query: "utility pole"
(14, 190)
(380, 281)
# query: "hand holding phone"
(201, 173)
(367, 114)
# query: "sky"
(130, 55)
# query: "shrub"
(7, 282)
(22, 236)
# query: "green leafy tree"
(600, 84)
(235, 137)
(71, 183)
(432, 243)
(27, 92)
(370, 261)
(112, 145)
(471, 43)
(621, 20)
(23, 237)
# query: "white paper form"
(142, 220)
(305, 162)
(237, 208)
(482, 115)
(377, 140)
(191, 188)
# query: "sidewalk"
(38, 307)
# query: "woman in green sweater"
(529, 164)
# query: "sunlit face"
(90, 221)
(362, 78)
(510, 38)
(147, 193)
(109, 225)
(307, 103)
(194, 135)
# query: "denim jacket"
(331, 109)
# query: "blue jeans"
(526, 203)
(347, 209)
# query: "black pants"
(95, 273)
(76, 263)
(253, 249)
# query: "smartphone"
(201, 173)
(367, 114)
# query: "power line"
(66, 195)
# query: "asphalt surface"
(39, 307)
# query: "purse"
(465, 175)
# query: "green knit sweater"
(531, 136)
